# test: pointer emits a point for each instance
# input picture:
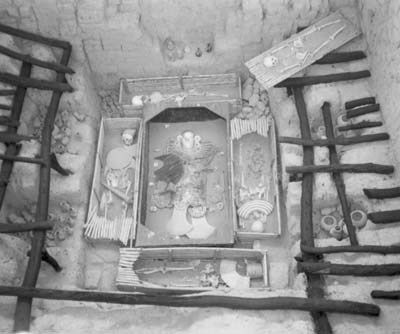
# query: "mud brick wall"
(123, 38)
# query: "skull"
(270, 61)
(128, 136)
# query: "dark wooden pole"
(351, 249)
(34, 37)
(231, 302)
(327, 268)
(362, 110)
(337, 177)
(315, 283)
(395, 294)
(382, 193)
(360, 125)
(360, 102)
(15, 228)
(34, 61)
(19, 81)
(24, 304)
(341, 57)
(335, 141)
(385, 217)
(343, 168)
(12, 149)
(321, 79)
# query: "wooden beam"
(6, 137)
(335, 141)
(321, 79)
(382, 193)
(328, 268)
(22, 313)
(35, 61)
(231, 302)
(38, 161)
(34, 37)
(385, 217)
(337, 177)
(341, 57)
(12, 149)
(7, 92)
(362, 110)
(359, 102)
(5, 106)
(15, 228)
(351, 249)
(5, 120)
(394, 294)
(343, 168)
(315, 283)
(360, 125)
(25, 82)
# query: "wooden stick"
(7, 92)
(328, 268)
(18, 81)
(5, 106)
(344, 168)
(15, 228)
(335, 141)
(337, 177)
(359, 102)
(351, 249)
(385, 217)
(34, 37)
(38, 161)
(14, 138)
(362, 110)
(395, 294)
(12, 150)
(360, 125)
(231, 302)
(320, 79)
(382, 193)
(117, 192)
(35, 61)
(314, 282)
(341, 57)
(24, 304)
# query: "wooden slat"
(6, 137)
(34, 37)
(337, 177)
(341, 57)
(351, 249)
(362, 110)
(335, 141)
(15, 228)
(7, 92)
(5, 106)
(231, 302)
(382, 193)
(38, 161)
(394, 294)
(328, 268)
(5, 120)
(322, 79)
(35, 61)
(24, 304)
(385, 217)
(360, 125)
(343, 168)
(25, 82)
(360, 102)
(315, 283)
(11, 149)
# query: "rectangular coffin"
(186, 184)
(113, 199)
(257, 180)
(191, 269)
